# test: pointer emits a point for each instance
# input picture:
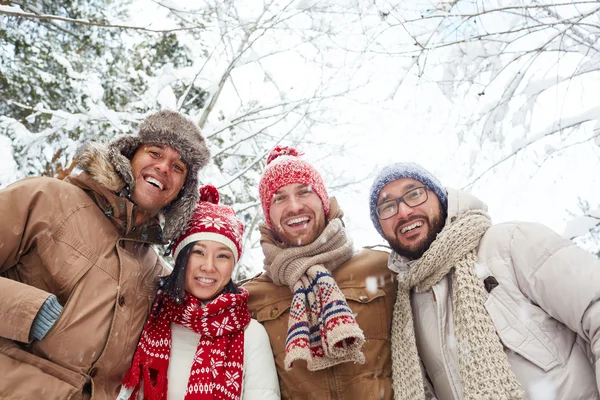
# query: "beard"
(436, 224)
(303, 239)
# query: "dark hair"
(173, 285)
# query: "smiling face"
(208, 270)
(159, 174)
(297, 214)
(412, 230)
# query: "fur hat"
(397, 171)
(173, 129)
(212, 221)
(285, 167)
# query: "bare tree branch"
(88, 23)
(521, 148)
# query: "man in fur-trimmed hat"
(77, 269)
(494, 312)
(327, 310)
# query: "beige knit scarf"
(322, 329)
(483, 366)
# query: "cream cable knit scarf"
(322, 329)
(483, 366)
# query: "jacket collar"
(399, 264)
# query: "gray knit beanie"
(173, 129)
(397, 171)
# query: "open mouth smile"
(411, 227)
(298, 222)
(154, 182)
(205, 281)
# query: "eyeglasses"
(412, 198)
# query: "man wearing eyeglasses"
(506, 311)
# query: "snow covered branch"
(17, 12)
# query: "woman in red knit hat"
(200, 341)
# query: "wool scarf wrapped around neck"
(217, 369)
(322, 329)
(483, 366)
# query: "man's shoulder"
(507, 231)
(263, 292)
(37, 181)
(368, 258)
(43, 186)
(256, 279)
(515, 239)
(367, 263)
(259, 283)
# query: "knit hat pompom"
(212, 221)
(285, 167)
(282, 151)
(397, 171)
(210, 194)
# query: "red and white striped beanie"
(212, 221)
(285, 167)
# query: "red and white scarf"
(218, 364)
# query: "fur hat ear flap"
(178, 213)
(95, 158)
(120, 153)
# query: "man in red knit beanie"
(327, 311)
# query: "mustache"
(154, 171)
(296, 214)
(409, 219)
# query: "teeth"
(297, 221)
(206, 280)
(154, 182)
(412, 226)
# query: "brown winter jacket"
(270, 305)
(74, 239)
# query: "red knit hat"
(284, 167)
(212, 221)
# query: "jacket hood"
(460, 202)
(108, 167)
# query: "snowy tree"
(523, 73)
(253, 104)
(518, 77)
(74, 73)
(65, 83)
